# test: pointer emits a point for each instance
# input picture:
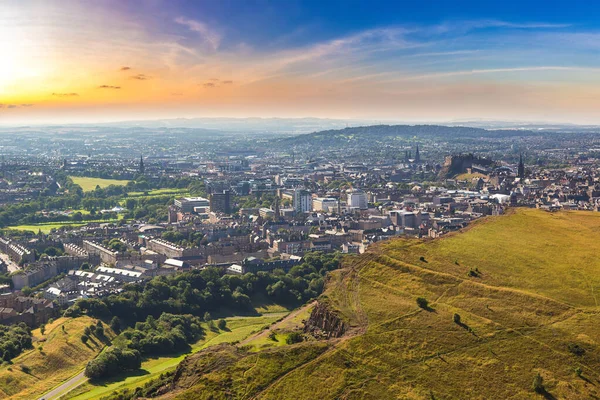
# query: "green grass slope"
(530, 305)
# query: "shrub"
(222, 324)
(207, 316)
(456, 319)
(538, 384)
(578, 371)
(273, 336)
(422, 259)
(576, 349)
(422, 302)
(25, 369)
(294, 337)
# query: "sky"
(65, 61)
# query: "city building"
(221, 202)
(357, 199)
(302, 201)
(189, 204)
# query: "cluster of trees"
(199, 291)
(113, 361)
(13, 340)
(167, 334)
(71, 196)
(190, 240)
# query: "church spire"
(521, 167)
(417, 155)
(142, 169)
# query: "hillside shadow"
(120, 377)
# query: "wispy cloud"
(140, 77)
(72, 94)
(208, 85)
(451, 74)
(124, 68)
(209, 36)
(109, 87)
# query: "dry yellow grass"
(534, 297)
(62, 356)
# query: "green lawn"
(47, 227)
(237, 329)
(88, 184)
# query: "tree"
(222, 324)
(85, 338)
(43, 329)
(422, 302)
(207, 316)
(115, 324)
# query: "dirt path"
(267, 331)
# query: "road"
(65, 387)
(11, 266)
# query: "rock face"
(324, 322)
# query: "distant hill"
(512, 297)
(356, 135)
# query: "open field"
(47, 227)
(238, 328)
(465, 176)
(528, 307)
(88, 184)
(62, 355)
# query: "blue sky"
(408, 61)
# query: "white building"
(357, 199)
(188, 204)
(326, 204)
(302, 201)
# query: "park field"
(508, 298)
(47, 227)
(88, 184)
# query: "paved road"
(11, 265)
(65, 387)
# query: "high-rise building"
(357, 199)
(221, 202)
(302, 201)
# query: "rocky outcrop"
(324, 322)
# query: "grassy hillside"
(528, 307)
(57, 355)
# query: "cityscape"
(429, 232)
